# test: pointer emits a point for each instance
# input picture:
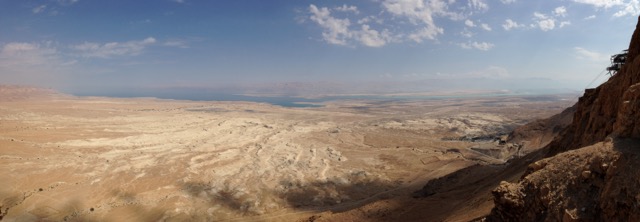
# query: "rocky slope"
(594, 183)
(591, 173)
(540, 133)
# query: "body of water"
(287, 101)
(284, 101)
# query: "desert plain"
(67, 158)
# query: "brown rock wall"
(591, 171)
(598, 109)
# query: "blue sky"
(76, 45)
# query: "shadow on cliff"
(461, 195)
(335, 194)
(226, 197)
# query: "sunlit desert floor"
(66, 158)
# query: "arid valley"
(66, 158)
(320, 111)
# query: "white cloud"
(336, 31)
(39, 9)
(590, 17)
(404, 20)
(547, 24)
(421, 13)
(478, 5)
(345, 8)
(372, 38)
(627, 7)
(544, 22)
(364, 20)
(418, 10)
(469, 23)
(426, 33)
(550, 22)
(539, 15)
(631, 8)
(111, 49)
(369, 19)
(510, 24)
(582, 53)
(601, 3)
(507, 1)
(560, 11)
(52, 9)
(484, 46)
(67, 2)
(179, 1)
(466, 33)
(485, 26)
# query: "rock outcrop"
(592, 168)
(594, 183)
(606, 109)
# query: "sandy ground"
(82, 159)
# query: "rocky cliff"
(591, 170)
(607, 109)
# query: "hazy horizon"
(383, 46)
(329, 88)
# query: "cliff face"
(591, 173)
(607, 109)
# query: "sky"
(89, 45)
